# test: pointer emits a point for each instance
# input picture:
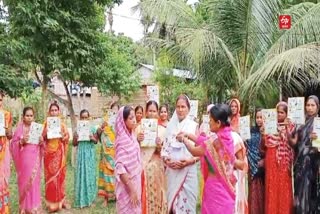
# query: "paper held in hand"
(270, 121)
(153, 93)
(193, 114)
(245, 127)
(53, 127)
(83, 130)
(112, 116)
(205, 124)
(150, 129)
(316, 129)
(35, 133)
(296, 110)
(2, 124)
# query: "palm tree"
(235, 46)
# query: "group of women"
(281, 170)
(51, 155)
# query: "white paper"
(2, 124)
(112, 118)
(316, 129)
(270, 121)
(35, 133)
(205, 124)
(150, 130)
(245, 127)
(83, 130)
(53, 127)
(153, 93)
(296, 110)
(193, 114)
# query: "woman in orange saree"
(5, 159)
(278, 165)
(55, 165)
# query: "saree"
(306, 172)
(85, 175)
(241, 175)
(27, 161)
(106, 181)
(182, 190)
(278, 179)
(127, 161)
(217, 170)
(55, 168)
(5, 166)
(153, 179)
(256, 173)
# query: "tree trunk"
(44, 96)
(70, 109)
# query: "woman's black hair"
(257, 110)
(185, 98)
(137, 108)
(27, 108)
(54, 104)
(221, 112)
(115, 104)
(152, 102)
(126, 112)
(84, 111)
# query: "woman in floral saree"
(153, 177)
(216, 163)
(27, 158)
(5, 159)
(55, 165)
(106, 181)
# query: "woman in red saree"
(217, 162)
(5, 159)
(278, 165)
(55, 165)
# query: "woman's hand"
(181, 136)
(75, 139)
(140, 137)
(24, 139)
(41, 140)
(9, 133)
(64, 137)
(313, 136)
(261, 163)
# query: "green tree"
(59, 35)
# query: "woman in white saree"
(181, 171)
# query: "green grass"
(98, 208)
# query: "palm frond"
(294, 66)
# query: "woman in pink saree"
(27, 158)
(217, 162)
(128, 165)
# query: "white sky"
(131, 26)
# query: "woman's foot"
(66, 205)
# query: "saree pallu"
(216, 167)
(85, 175)
(106, 181)
(27, 160)
(182, 189)
(55, 157)
(5, 167)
